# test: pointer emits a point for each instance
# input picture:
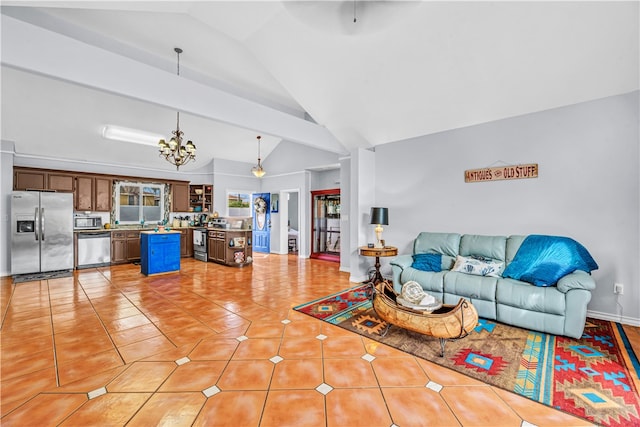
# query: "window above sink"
(139, 203)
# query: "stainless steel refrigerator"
(41, 232)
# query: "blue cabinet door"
(160, 253)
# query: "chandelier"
(173, 151)
(258, 171)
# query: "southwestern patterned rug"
(596, 377)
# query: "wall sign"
(501, 173)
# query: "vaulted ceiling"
(301, 71)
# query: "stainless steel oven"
(200, 236)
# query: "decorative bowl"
(198, 191)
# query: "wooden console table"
(378, 252)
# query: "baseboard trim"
(608, 316)
(357, 279)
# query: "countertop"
(112, 229)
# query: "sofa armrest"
(577, 280)
(398, 265)
(402, 261)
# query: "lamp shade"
(380, 216)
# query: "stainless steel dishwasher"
(94, 249)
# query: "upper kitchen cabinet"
(103, 194)
(60, 182)
(179, 197)
(84, 193)
(29, 180)
(201, 198)
(93, 193)
(90, 192)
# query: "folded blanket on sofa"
(543, 260)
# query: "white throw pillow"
(478, 267)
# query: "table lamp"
(380, 217)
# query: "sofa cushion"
(471, 287)
(437, 243)
(524, 296)
(430, 281)
(534, 320)
(492, 247)
(427, 262)
(477, 267)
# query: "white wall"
(6, 186)
(231, 176)
(325, 180)
(363, 196)
(290, 157)
(588, 187)
(345, 214)
(293, 206)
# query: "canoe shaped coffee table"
(449, 322)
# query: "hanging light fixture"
(173, 151)
(258, 171)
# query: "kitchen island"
(230, 247)
(159, 252)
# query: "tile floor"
(214, 346)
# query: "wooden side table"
(378, 252)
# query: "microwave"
(87, 222)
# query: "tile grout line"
(104, 327)
(53, 337)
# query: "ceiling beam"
(34, 49)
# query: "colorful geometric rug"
(596, 377)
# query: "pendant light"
(258, 171)
(173, 151)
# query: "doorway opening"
(325, 223)
(293, 222)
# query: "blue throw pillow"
(427, 262)
(543, 260)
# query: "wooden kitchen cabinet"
(179, 197)
(215, 246)
(91, 191)
(200, 198)
(84, 193)
(93, 194)
(230, 247)
(29, 180)
(210, 244)
(186, 242)
(125, 246)
(118, 247)
(61, 182)
(133, 246)
(103, 194)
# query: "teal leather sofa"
(559, 309)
